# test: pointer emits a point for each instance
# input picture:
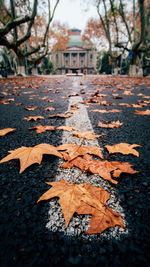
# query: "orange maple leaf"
(61, 115)
(123, 148)
(42, 129)
(84, 199)
(6, 130)
(140, 112)
(86, 135)
(33, 118)
(74, 150)
(114, 124)
(49, 108)
(106, 111)
(30, 155)
(31, 108)
(67, 128)
(102, 168)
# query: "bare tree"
(138, 34)
(17, 28)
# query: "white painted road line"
(80, 223)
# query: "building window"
(66, 62)
(74, 54)
(91, 56)
(66, 54)
(82, 54)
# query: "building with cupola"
(78, 57)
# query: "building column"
(62, 60)
(70, 59)
(85, 60)
(78, 62)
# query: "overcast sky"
(73, 13)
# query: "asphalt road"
(25, 239)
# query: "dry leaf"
(74, 150)
(30, 155)
(128, 93)
(6, 130)
(105, 111)
(84, 199)
(102, 168)
(74, 107)
(61, 115)
(31, 108)
(49, 108)
(33, 118)
(43, 98)
(86, 135)
(140, 112)
(18, 104)
(67, 128)
(5, 101)
(123, 148)
(114, 124)
(146, 96)
(42, 129)
(105, 103)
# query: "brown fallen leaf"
(33, 118)
(136, 106)
(117, 97)
(74, 107)
(43, 98)
(31, 108)
(146, 96)
(105, 111)
(30, 155)
(42, 129)
(50, 100)
(86, 135)
(101, 95)
(84, 199)
(61, 115)
(123, 148)
(128, 93)
(6, 131)
(5, 101)
(102, 168)
(105, 103)
(114, 124)
(67, 128)
(74, 150)
(123, 104)
(49, 108)
(18, 104)
(140, 112)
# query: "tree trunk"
(34, 70)
(21, 66)
(115, 71)
(133, 69)
(135, 66)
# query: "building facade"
(77, 58)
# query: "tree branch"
(10, 25)
(28, 33)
